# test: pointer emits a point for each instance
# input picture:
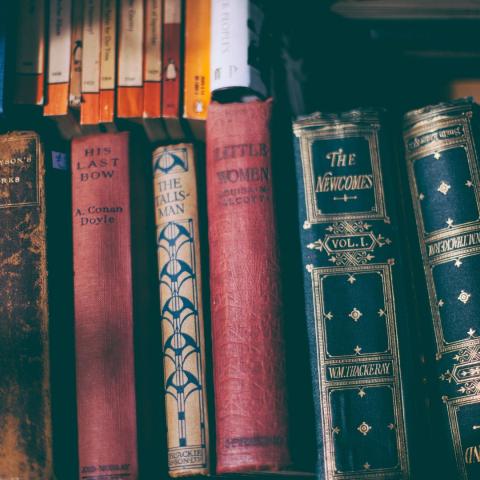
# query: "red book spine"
(103, 307)
(249, 374)
(172, 58)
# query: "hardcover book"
(441, 144)
(25, 414)
(30, 53)
(355, 297)
(237, 60)
(179, 265)
(246, 307)
(103, 301)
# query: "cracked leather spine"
(248, 351)
(441, 148)
(25, 413)
(103, 304)
(181, 309)
(356, 296)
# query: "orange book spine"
(90, 106)
(59, 49)
(130, 59)
(197, 59)
(107, 61)
(30, 54)
(172, 58)
(152, 87)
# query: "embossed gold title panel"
(342, 175)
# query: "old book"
(75, 93)
(172, 67)
(237, 66)
(108, 57)
(91, 43)
(152, 87)
(103, 307)
(3, 56)
(441, 144)
(182, 317)
(30, 54)
(356, 301)
(58, 70)
(25, 416)
(130, 59)
(197, 65)
(248, 350)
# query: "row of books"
(89, 62)
(371, 346)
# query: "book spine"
(248, 351)
(92, 36)
(108, 52)
(152, 88)
(59, 48)
(197, 59)
(30, 54)
(441, 147)
(130, 59)
(235, 43)
(3, 56)
(75, 94)
(107, 434)
(172, 58)
(355, 297)
(179, 264)
(25, 426)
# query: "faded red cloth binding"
(248, 354)
(103, 307)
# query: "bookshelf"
(395, 59)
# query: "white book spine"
(60, 39)
(229, 44)
(130, 54)
(108, 47)
(91, 46)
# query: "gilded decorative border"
(326, 386)
(306, 139)
(465, 142)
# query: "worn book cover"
(441, 148)
(103, 301)
(356, 297)
(181, 303)
(25, 411)
(246, 306)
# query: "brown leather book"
(248, 351)
(181, 309)
(103, 307)
(25, 417)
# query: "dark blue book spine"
(356, 297)
(441, 144)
